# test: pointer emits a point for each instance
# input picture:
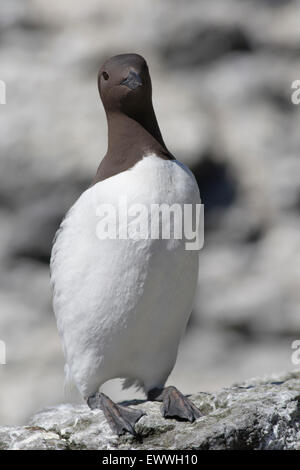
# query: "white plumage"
(122, 305)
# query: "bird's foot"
(120, 418)
(175, 404)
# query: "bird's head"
(124, 84)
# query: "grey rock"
(258, 414)
(203, 44)
(39, 220)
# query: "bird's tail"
(71, 392)
(132, 383)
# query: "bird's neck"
(139, 130)
(129, 140)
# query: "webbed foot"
(120, 418)
(175, 404)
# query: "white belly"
(122, 305)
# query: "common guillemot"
(122, 305)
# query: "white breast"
(122, 305)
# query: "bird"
(122, 303)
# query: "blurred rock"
(37, 223)
(202, 44)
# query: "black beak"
(133, 81)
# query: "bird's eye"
(105, 75)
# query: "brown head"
(125, 89)
(124, 85)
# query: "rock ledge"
(258, 414)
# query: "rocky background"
(222, 73)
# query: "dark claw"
(120, 418)
(175, 404)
